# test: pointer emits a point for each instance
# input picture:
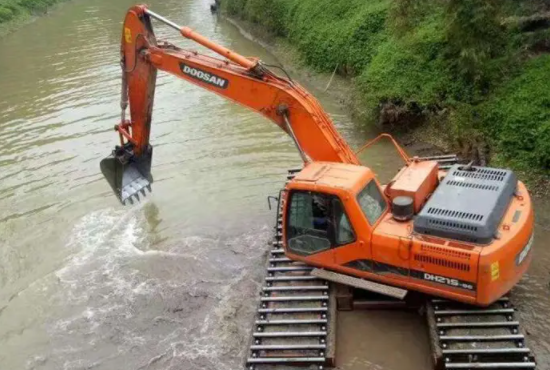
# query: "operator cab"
(331, 205)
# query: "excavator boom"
(243, 80)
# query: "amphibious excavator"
(463, 233)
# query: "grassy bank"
(13, 13)
(471, 73)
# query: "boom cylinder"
(192, 35)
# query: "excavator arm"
(243, 80)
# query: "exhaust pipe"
(128, 174)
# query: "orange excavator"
(463, 233)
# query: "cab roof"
(341, 175)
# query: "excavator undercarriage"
(296, 319)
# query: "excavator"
(464, 233)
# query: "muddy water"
(168, 284)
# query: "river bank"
(340, 89)
(410, 74)
(16, 13)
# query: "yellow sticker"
(127, 35)
(495, 271)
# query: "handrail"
(400, 150)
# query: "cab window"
(343, 231)
(316, 222)
(372, 202)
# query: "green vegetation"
(476, 70)
(12, 11)
(518, 114)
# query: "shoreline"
(23, 17)
(421, 140)
(341, 89)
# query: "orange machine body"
(370, 245)
(389, 251)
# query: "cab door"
(308, 228)
(319, 231)
(352, 239)
(367, 209)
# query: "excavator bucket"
(128, 174)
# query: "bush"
(6, 14)
(334, 33)
(269, 13)
(408, 69)
(234, 7)
(476, 38)
(328, 33)
(37, 6)
(517, 116)
(9, 9)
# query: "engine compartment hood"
(468, 205)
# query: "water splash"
(124, 302)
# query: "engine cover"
(468, 205)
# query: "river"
(171, 283)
